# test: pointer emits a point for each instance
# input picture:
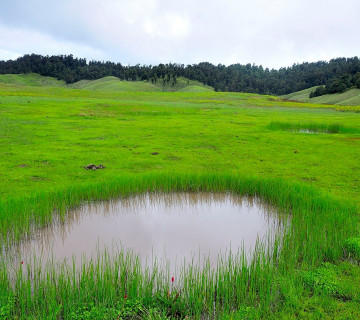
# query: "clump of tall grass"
(311, 127)
(352, 247)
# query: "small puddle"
(169, 226)
(308, 131)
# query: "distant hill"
(196, 88)
(110, 84)
(348, 98)
(184, 85)
(114, 84)
(337, 74)
(31, 79)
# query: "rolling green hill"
(184, 85)
(348, 98)
(106, 84)
(195, 89)
(31, 79)
(115, 84)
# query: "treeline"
(236, 77)
(339, 85)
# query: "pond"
(170, 227)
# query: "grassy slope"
(115, 84)
(30, 79)
(48, 134)
(348, 98)
(184, 85)
(194, 88)
(106, 84)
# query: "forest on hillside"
(337, 75)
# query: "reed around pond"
(234, 285)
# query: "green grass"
(312, 127)
(115, 84)
(106, 84)
(244, 143)
(30, 79)
(348, 98)
(352, 247)
(184, 85)
(195, 88)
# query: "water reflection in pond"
(172, 226)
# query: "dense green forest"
(337, 75)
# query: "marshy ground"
(159, 141)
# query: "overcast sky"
(272, 33)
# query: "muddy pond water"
(167, 226)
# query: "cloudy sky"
(273, 33)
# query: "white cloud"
(273, 33)
(19, 42)
(169, 26)
(9, 55)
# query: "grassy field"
(151, 141)
(348, 98)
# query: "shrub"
(324, 281)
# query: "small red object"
(125, 296)
(172, 279)
(22, 262)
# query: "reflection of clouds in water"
(179, 225)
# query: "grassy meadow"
(301, 157)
